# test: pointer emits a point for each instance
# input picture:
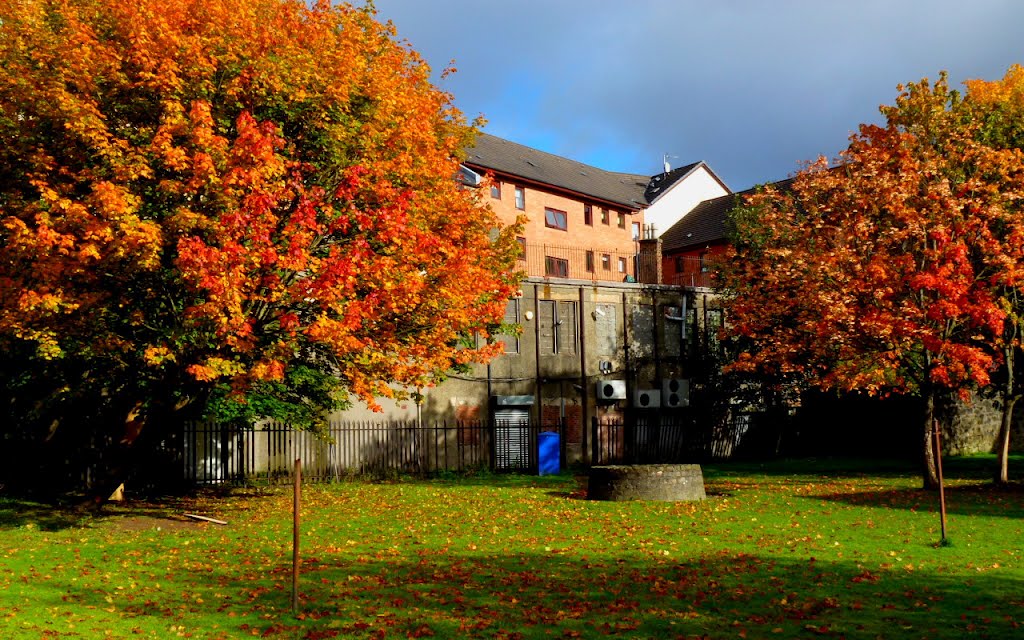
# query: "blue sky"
(753, 88)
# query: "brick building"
(583, 222)
(694, 242)
(594, 311)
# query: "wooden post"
(942, 489)
(295, 536)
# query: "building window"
(496, 190)
(510, 327)
(704, 266)
(590, 261)
(604, 216)
(622, 265)
(673, 327)
(680, 264)
(621, 220)
(712, 324)
(520, 198)
(556, 267)
(588, 215)
(522, 247)
(555, 219)
(606, 262)
(636, 230)
(557, 327)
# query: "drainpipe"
(654, 338)
(584, 394)
(625, 344)
(536, 352)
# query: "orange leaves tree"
(998, 109)
(882, 273)
(249, 205)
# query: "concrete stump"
(663, 482)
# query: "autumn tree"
(998, 109)
(249, 205)
(881, 271)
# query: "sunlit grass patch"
(824, 551)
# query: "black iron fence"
(667, 438)
(579, 262)
(694, 271)
(214, 453)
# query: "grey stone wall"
(973, 427)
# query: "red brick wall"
(549, 416)
(579, 234)
(573, 421)
(574, 424)
(690, 273)
(467, 412)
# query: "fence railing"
(579, 263)
(693, 279)
(694, 271)
(666, 438)
(214, 453)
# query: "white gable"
(699, 185)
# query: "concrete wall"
(574, 334)
(598, 235)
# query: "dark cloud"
(753, 88)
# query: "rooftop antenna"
(664, 159)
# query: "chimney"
(649, 260)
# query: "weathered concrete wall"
(573, 335)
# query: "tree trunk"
(930, 471)
(118, 460)
(1010, 396)
(131, 452)
(1003, 442)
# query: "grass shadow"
(961, 499)
(167, 509)
(531, 595)
(977, 467)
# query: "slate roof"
(510, 158)
(660, 183)
(705, 223)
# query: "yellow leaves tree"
(252, 201)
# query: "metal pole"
(295, 536)
(942, 489)
(536, 354)
(584, 384)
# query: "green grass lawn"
(801, 549)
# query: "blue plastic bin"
(548, 453)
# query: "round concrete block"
(664, 482)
